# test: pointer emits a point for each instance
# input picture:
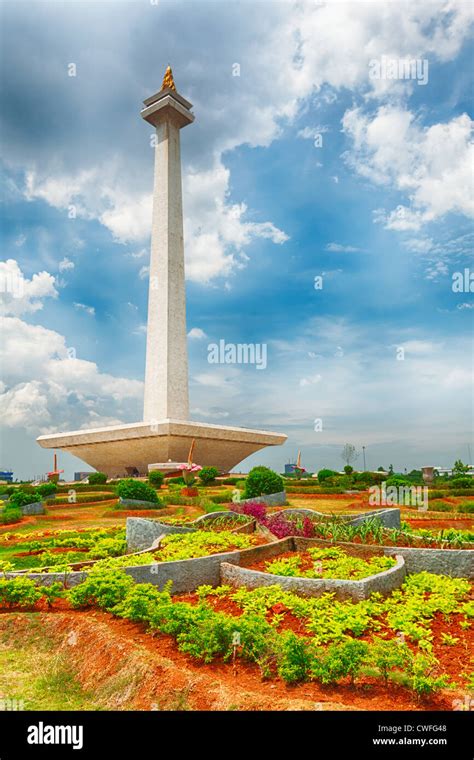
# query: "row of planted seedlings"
(337, 528)
(408, 639)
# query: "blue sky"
(382, 211)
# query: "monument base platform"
(124, 450)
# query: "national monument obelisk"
(166, 374)
(166, 431)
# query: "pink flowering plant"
(189, 471)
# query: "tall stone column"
(166, 373)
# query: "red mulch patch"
(328, 496)
(459, 524)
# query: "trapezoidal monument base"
(125, 450)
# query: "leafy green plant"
(448, 640)
(324, 474)
(136, 490)
(97, 478)
(261, 481)
(140, 601)
(331, 563)
(47, 489)
(22, 498)
(104, 588)
(10, 515)
(339, 661)
(208, 475)
(156, 478)
(461, 482)
(52, 592)
(424, 675)
(18, 592)
(388, 655)
(293, 657)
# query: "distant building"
(290, 468)
(82, 475)
(6, 475)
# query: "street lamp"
(363, 452)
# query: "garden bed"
(297, 572)
(406, 648)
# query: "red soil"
(459, 524)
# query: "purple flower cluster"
(254, 509)
(279, 524)
(282, 526)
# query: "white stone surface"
(114, 449)
(166, 373)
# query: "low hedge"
(231, 481)
(85, 487)
(442, 506)
(82, 499)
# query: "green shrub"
(140, 602)
(324, 474)
(10, 515)
(18, 592)
(208, 475)
(398, 481)
(388, 655)
(462, 482)
(22, 498)
(177, 481)
(424, 676)
(97, 478)
(466, 506)
(103, 587)
(293, 657)
(47, 489)
(52, 593)
(339, 661)
(136, 489)
(156, 478)
(211, 637)
(261, 481)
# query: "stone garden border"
(357, 590)
(141, 532)
(457, 563)
(185, 574)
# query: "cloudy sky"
(305, 161)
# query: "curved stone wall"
(141, 532)
(458, 563)
(384, 582)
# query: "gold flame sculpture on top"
(168, 81)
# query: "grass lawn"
(32, 670)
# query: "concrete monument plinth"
(120, 450)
